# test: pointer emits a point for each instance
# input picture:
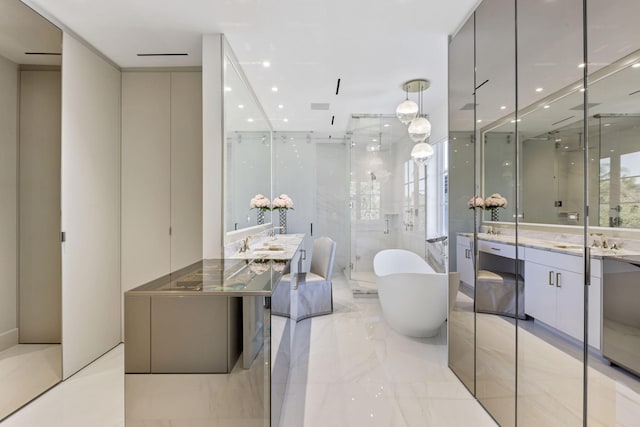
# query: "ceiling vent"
(163, 54)
(319, 105)
(468, 107)
(580, 106)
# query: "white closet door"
(90, 206)
(146, 171)
(186, 168)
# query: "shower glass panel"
(386, 195)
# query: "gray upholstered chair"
(314, 295)
(496, 292)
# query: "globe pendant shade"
(407, 111)
(419, 129)
(421, 153)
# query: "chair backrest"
(394, 261)
(324, 252)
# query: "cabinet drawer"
(556, 260)
(495, 248)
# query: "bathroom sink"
(567, 246)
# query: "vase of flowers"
(282, 203)
(493, 203)
(476, 202)
(262, 204)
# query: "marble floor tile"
(26, 370)
(351, 369)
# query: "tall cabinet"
(161, 173)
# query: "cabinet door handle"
(551, 278)
(558, 280)
(467, 253)
(495, 249)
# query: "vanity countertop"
(548, 245)
(225, 277)
(279, 247)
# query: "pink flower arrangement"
(260, 202)
(476, 202)
(282, 202)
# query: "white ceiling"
(373, 46)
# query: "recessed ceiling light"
(291, 138)
(546, 106)
(280, 106)
(581, 65)
(504, 107)
(539, 89)
(227, 89)
(582, 89)
(513, 121)
(266, 64)
(558, 139)
(479, 120)
(566, 147)
(374, 140)
(386, 125)
(250, 120)
(274, 88)
(285, 120)
(240, 106)
(612, 150)
(607, 124)
(636, 65)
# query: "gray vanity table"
(192, 325)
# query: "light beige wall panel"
(146, 169)
(186, 168)
(90, 206)
(40, 263)
(8, 195)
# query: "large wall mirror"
(30, 261)
(551, 135)
(247, 162)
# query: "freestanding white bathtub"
(412, 295)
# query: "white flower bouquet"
(282, 202)
(476, 202)
(260, 202)
(495, 201)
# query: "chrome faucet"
(601, 242)
(245, 245)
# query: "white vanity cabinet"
(463, 259)
(554, 290)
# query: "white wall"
(212, 153)
(8, 195)
(90, 206)
(39, 193)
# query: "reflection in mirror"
(614, 125)
(30, 288)
(461, 320)
(550, 342)
(498, 282)
(247, 150)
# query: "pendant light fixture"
(407, 110)
(419, 127)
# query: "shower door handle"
(386, 221)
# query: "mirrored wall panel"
(30, 263)
(461, 320)
(247, 162)
(557, 134)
